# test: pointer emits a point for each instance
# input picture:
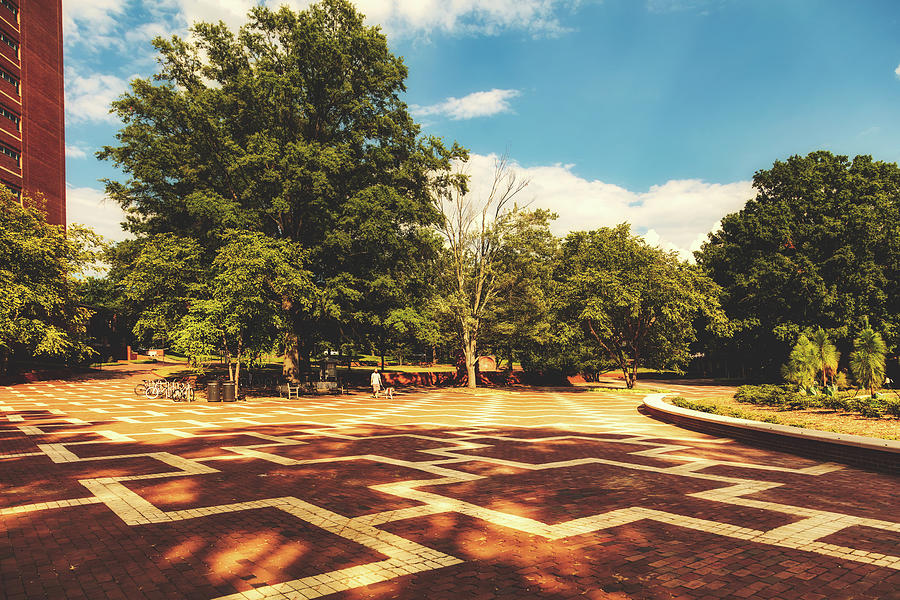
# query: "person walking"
(375, 380)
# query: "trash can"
(213, 391)
(228, 392)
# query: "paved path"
(438, 494)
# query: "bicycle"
(141, 388)
(179, 391)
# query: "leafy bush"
(893, 408)
(841, 381)
(838, 401)
(719, 410)
(685, 403)
(768, 395)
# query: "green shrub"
(685, 403)
(841, 381)
(893, 408)
(804, 402)
(837, 402)
(719, 410)
(869, 407)
(768, 395)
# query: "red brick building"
(32, 119)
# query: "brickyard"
(439, 493)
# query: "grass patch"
(178, 370)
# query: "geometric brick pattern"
(437, 494)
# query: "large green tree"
(819, 246)
(639, 305)
(40, 311)
(238, 307)
(293, 127)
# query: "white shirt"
(376, 378)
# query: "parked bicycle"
(177, 390)
(141, 388)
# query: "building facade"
(32, 114)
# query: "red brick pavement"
(439, 494)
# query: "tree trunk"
(629, 376)
(237, 374)
(471, 359)
(382, 361)
(291, 366)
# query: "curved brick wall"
(868, 453)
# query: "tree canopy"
(819, 245)
(637, 303)
(40, 310)
(292, 127)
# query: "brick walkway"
(438, 494)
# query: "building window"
(5, 112)
(9, 41)
(12, 7)
(16, 190)
(10, 78)
(9, 152)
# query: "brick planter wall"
(867, 453)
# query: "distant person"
(375, 380)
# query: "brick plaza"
(436, 494)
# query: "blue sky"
(657, 112)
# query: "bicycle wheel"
(140, 389)
(189, 392)
(153, 392)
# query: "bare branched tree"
(474, 228)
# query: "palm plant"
(802, 364)
(867, 359)
(826, 355)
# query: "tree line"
(282, 198)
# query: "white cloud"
(90, 18)
(90, 207)
(232, 12)
(406, 17)
(76, 151)
(476, 104)
(676, 215)
(465, 16)
(99, 16)
(88, 97)
(897, 71)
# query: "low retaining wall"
(451, 378)
(867, 453)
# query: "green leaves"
(234, 302)
(868, 358)
(637, 303)
(40, 312)
(293, 128)
(819, 246)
